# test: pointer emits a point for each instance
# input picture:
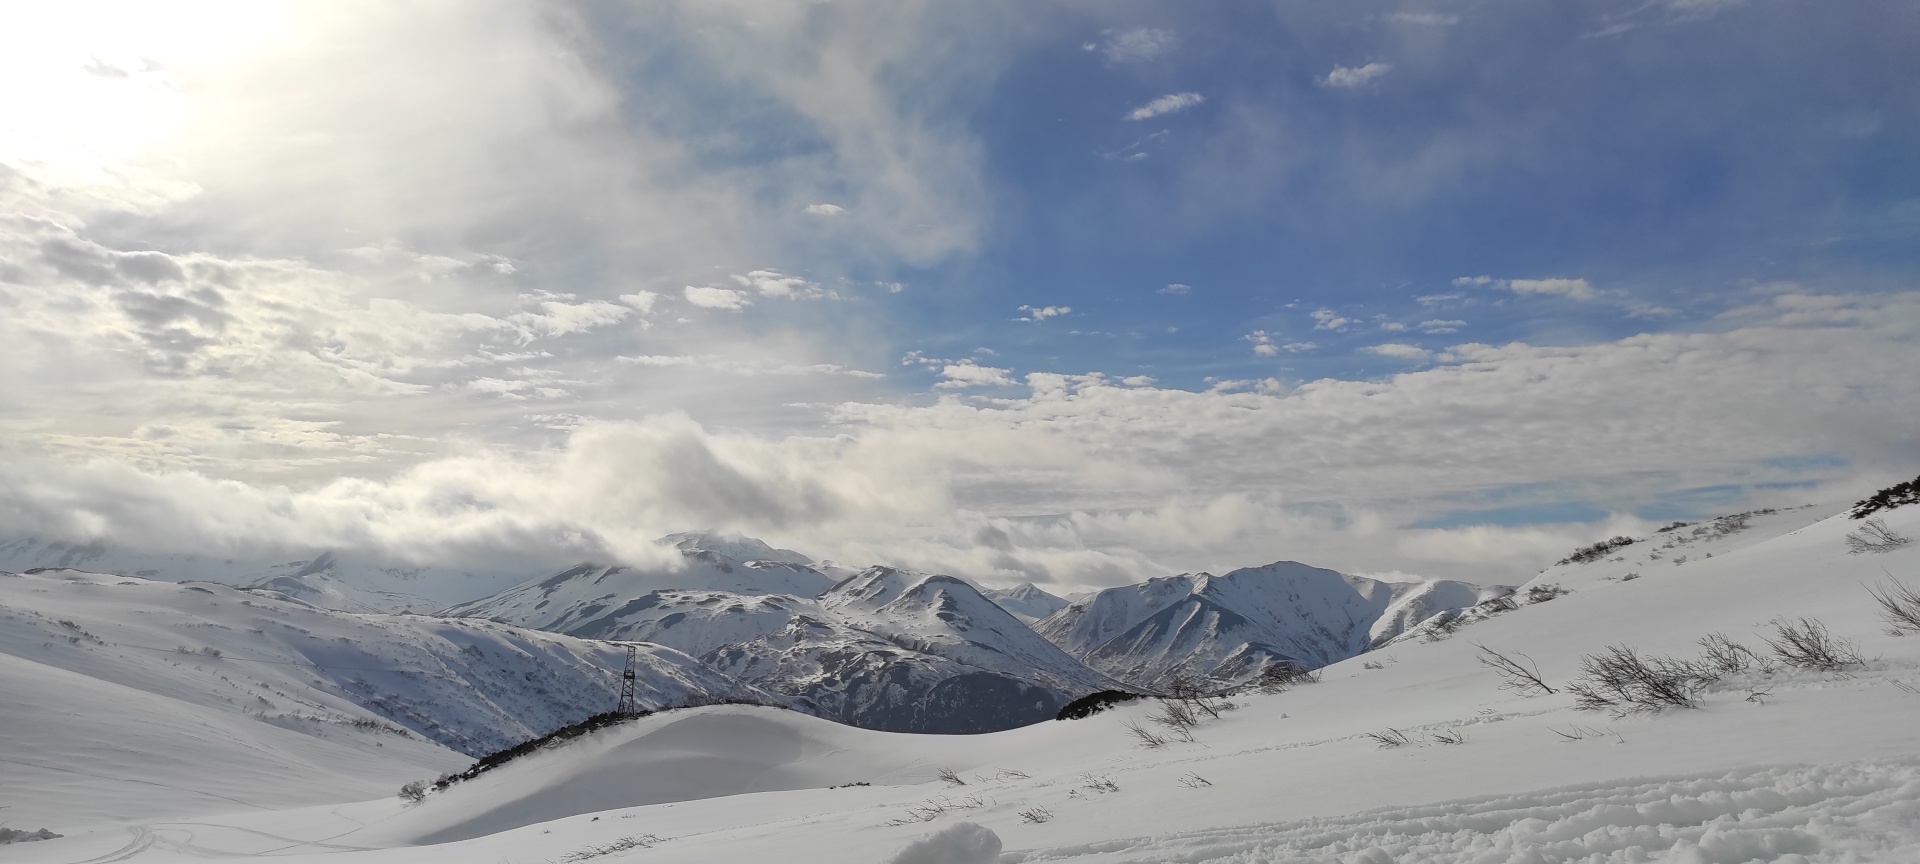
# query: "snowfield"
(1793, 765)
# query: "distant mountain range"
(884, 648)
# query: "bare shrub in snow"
(1389, 738)
(1177, 717)
(1098, 783)
(1622, 682)
(1451, 736)
(932, 808)
(1807, 644)
(1147, 737)
(950, 778)
(1875, 536)
(1281, 677)
(1194, 781)
(1899, 606)
(1723, 656)
(1597, 551)
(1522, 678)
(637, 841)
(414, 793)
(1035, 815)
(1543, 593)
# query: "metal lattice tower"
(626, 705)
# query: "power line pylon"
(626, 705)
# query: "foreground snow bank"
(1859, 812)
(960, 843)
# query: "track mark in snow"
(142, 838)
(1860, 812)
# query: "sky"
(1074, 293)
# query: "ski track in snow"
(1861, 812)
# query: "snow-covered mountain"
(330, 580)
(296, 691)
(1412, 752)
(884, 649)
(1230, 628)
(591, 598)
(1026, 602)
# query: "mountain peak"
(738, 547)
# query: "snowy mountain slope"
(328, 580)
(885, 649)
(591, 597)
(1677, 544)
(734, 547)
(1231, 627)
(1026, 602)
(275, 688)
(1820, 767)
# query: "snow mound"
(1856, 812)
(960, 843)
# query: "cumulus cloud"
(1327, 319)
(641, 300)
(708, 297)
(967, 373)
(1177, 289)
(771, 283)
(1166, 105)
(1144, 478)
(1399, 351)
(1439, 326)
(1354, 76)
(1042, 313)
(1262, 343)
(1574, 289)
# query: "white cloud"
(1136, 45)
(1299, 347)
(1262, 343)
(1327, 319)
(717, 298)
(892, 287)
(562, 314)
(771, 283)
(1399, 351)
(1469, 281)
(641, 300)
(1575, 289)
(967, 373)
(1354, 76)
(1177, 289)
(1437, 325)
(1393, 327)
(1042, 313)
(824, 210)
(1437, 299)
(1166, 105)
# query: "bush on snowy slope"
(11, 835)
(1597, 551)
(1897, 495)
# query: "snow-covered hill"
(1026, 602)
(117, 677)
(1673, 546)
(1230, 628)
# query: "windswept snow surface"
(1798, 765)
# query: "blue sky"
(1071, 292)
